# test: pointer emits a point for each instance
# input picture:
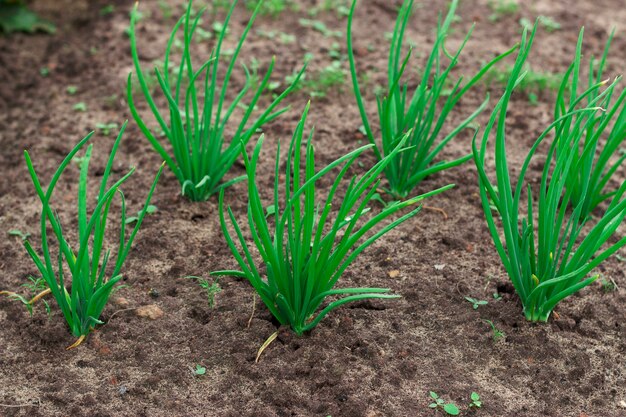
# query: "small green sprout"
(608, 284)
(106, 128)
(549, 24)
(449, 408)
(19, 233)
(199, 370)
(151, 209)
(44, 71)
(475, 302)
(476, 402)
(268, 7)
(497, 334)
(38, 289)
(501, 8)
(107, 10)
(211, 288)
(16, 17)
(166, 9)
(71, 90)
(320, 27)
(80, 106)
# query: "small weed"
(149, 210)
(35, 286)
(608, 284)
(19, 233)
(549, 24)
(211, 288)
(199, 370)
(502, 8)
(497, 334)
(16, 17)
(497, 296)
(340, 7)
(44, 71)
(476, 402)
(476, 303)
(106, 128)
(166, 9)
(107, 10)
(71, 90)
(80, 106)
(270, 7)
(284, 38)
(449, 408)
(534, 82)
(321, 28)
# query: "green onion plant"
(198, 115)
(597, 158)
(548, 248)
(422, 112)
(305, 243)
(94, 270)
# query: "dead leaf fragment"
(394, 274)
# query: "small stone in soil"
(152, 312)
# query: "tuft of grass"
(306, 244)
(549, 248)
(423, 112)
(198, 118)
(93, 270)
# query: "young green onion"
(93, 269)
(596, 159)
(422, 113)
(200, 156)
(306, 243)
(547, 248)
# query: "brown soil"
(365, 359)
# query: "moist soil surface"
(364, 359)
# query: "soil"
(364, 359)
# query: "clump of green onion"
(93, 269)
(306, 243)
(423, 112)
(605, 131)
(548, 248)
(200, 154)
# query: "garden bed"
(372, 358)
